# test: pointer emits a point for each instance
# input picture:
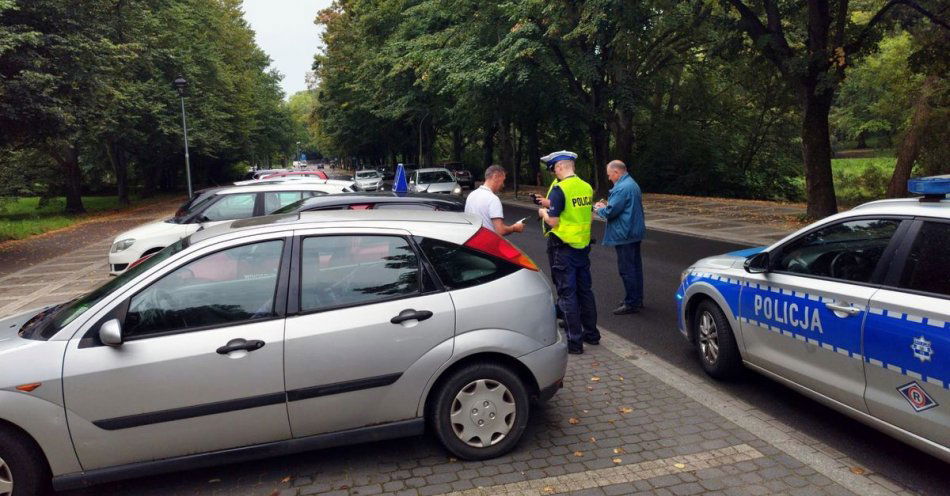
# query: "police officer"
(566, 218)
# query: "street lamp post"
(420, 136)
(180, 84)
(297, 156)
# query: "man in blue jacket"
(625, 228)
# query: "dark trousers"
(575, 300)
(631, 272)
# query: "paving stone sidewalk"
(750, 222)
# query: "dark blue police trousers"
(575, 300)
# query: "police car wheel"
(715, 342)
(480, 411)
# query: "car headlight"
(122, 244)
(457, 190)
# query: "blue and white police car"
(852, 310)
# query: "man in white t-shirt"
(485, 203)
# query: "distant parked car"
(434, 180)
(257, 174)
(376, 201)
(464, 178)
(217, 205)
(283, 176)
(368, 180)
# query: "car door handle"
(240, 344)
(410, 314)
(848, 309)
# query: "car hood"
(10, 327)
(156, 229)
(730, 260)
(438, 187)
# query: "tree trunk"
(599, 144)
(428, 142)
(624, 137)
(72, 176)
(507, 145)
(458, 144)
(909, 148)
(816, 152)
(534, 153)
(488, 145)
(120, 165)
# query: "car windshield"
(367, 174)
(432, 177)
(48, 322)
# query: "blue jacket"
(623, 213)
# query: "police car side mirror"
(757, 263)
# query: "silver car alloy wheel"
(483, 413)
(6, 479)
(708, 338)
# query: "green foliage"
(860, 180)
(25, 216)
(88, 85)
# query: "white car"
(230, 203)
(434, 180)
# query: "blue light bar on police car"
(929, 186)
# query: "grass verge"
(22, 217)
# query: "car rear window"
(460, 267)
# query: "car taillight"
(146, 257)
(490, 242)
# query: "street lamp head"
(180, 84)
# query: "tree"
(811, 47)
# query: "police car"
(852, 310)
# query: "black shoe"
(575, 351)
(594, 342)
(624, 310)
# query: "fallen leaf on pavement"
(621, 378)
(595, 379)
(617, 460)
(548, 490)
(578, 453)
(573, 421)
(590, 388)
(857, 470)
(618, 451)
(285, 480)
(593, 440)
(625, 409)
(679, 465)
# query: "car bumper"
(119, 262)
(549, 365)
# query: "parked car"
(434, 180)
(368, 180)
(376, 201)
(852, 311)
(257, 174)
(217, 205)
(464, 178)
(280, 334)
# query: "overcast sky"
(285, 30)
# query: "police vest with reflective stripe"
(573, 227)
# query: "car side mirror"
(757, 263)
(111, 333)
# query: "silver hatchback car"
(278, 334)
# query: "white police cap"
(553, 158)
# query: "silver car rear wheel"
(483, 413)
(479, 410)
(6, 479)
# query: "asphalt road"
(665, 256)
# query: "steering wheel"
(845, 265)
